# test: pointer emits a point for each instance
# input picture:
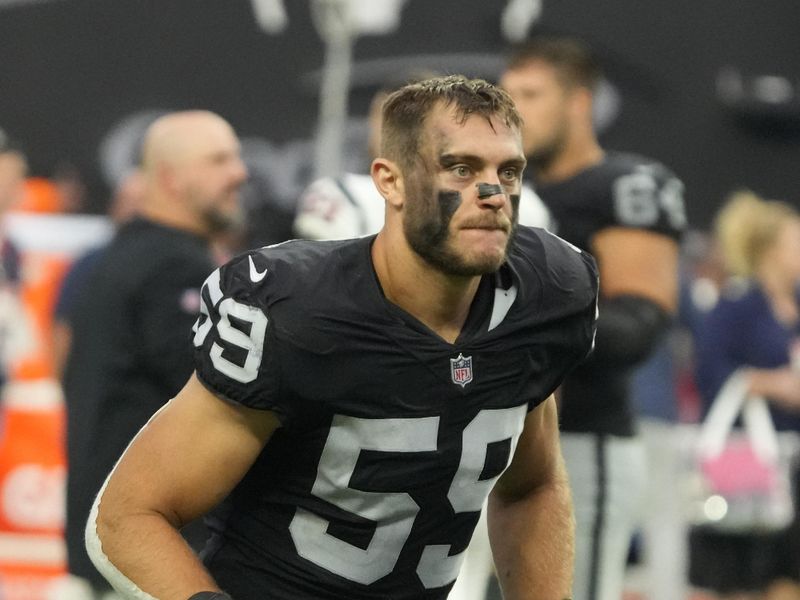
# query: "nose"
(239, 171)
(491, 195)
(487, 190)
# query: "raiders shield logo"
(461, 369)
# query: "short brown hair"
(405, 111)
(575, 64)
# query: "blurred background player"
(628, 212)
(130, 346)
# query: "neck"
(439, 301)
(166, 212)
(781, 293)
(576, 156)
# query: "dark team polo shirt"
(9, 280)
(131, 352)
(391, 438)
(623, 190)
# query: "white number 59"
(394, 512)
(252, 342)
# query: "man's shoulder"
(146, 250)
(532, 211)
(339, 208)
(617, 164)
(295, 268)
(354, 188)
(557, 264)
(305, 256)
(624, 190)
(555, 287)
(156, 239)
(601, 179)
(535, 243)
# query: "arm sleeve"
(570, 308)
(532, 211)
(628, 329)
(650, 197)
(235, 354)
(326, 211)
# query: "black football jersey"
(624, 190)
(391, 438)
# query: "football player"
(348, 206)
(628, 212)
(355, 401)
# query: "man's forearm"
(144, 556)
(533, 543)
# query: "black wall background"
(70, 70)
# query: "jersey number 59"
(392, 512)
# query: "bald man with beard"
(131, 347)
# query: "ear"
(389, 180)
(581, 102)
(167, 178)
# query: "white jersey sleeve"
(339, 208)
(532, 211)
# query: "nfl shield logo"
(461, 369)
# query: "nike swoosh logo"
(255, 274)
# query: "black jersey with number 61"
(391, 438)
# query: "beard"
(427, 229)
(220, 213)
(218, 221)
(541, 157)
